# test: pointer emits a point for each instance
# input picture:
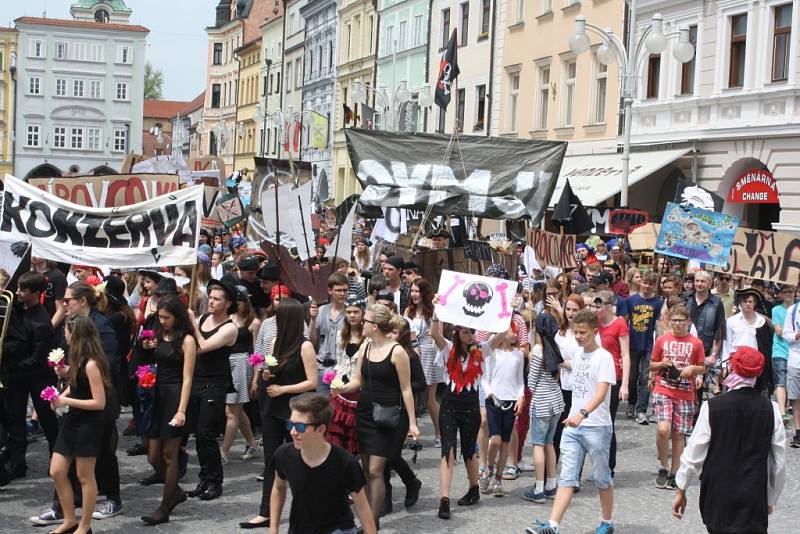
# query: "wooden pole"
(193, 288)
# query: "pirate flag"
(448, 72)
(569, 213)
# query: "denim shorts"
(543, 429)
(779, 371)
(501, 422)
(576, 443)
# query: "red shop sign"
(754, 187)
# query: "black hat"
(269, 272)
(396, 261)
(151, 273)
(439, 232)
(242, 293)
(248, 263)
(602, 278)
(166, 286)
(739, 294)
(225, 285)
(385, 295)
(410, 266)
(115, 290)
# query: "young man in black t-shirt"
(321, 476)
(55, 290)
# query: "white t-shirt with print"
(588, 370)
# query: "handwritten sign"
(110, 191)
(554, 250)
(765, 255)
(624, 221)
(475, 301)
(696, 234)
(477, 250)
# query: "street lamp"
(652, 40)
(402, 95)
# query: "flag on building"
(318, 136)
(292, 131)
(569, 213)
(448, 72)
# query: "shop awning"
(597, 177)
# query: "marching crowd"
(220, 347)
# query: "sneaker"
(510, 472)
(107, 509)
(550, 493)
(472, 497)
(795, 442)
(525, 467)
(641, 419)
(437, 442)
(484, 483)
(661, 479)
(531, 495)
(497, 489)
(604, 528)
(542, 527)
(671, 484)
(223, 459)
(249, 453)
(444, 508)
(629, 412)
(48, 517)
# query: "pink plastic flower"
(49, 394)
(328, 377)
(148, 380)
(255, 359)
(147, 334)
(142, 370)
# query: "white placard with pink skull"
(474, 301)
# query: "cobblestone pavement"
(640, 508)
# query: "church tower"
(101, 11)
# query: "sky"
(176, 43)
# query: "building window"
(653, 75)
(34, 85)
(545, 6)
(543, 97)
(61, 50)
(600, 87)
(215, 95)
(401, 36)
(120, 141)
(216, 58)
(95, 89)
(298, 73)
(371, 25)
(445, 27)
(77, 88)
(738, 50)
(278, 82)
(687, 69)
(513, 100)
(61, 87)
(480, 115)
(124, 54)
(289, 76)
(519, 10)
(122, 91)
(568, 102)
(34, 136)
(464, 24)
(418, 30)
(79, 51)
(781, 43)
(460, 106)
(388, 44)
(93, 136)
(76, 138)
(59, 137)
(97, 53)
(486, 10)
(36, 48)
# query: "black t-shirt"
(56, 288)
(319, 494)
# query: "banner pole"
(193, 288)
(305, 238)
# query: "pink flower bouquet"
(256, 359)
(49, 394)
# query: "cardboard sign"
(644, 238)
(110, 191)
(477, 250)
(765, 255)
(475, 301)
(696, 234)
(198, 166)
(624, 221)
(754, 187)
(554, 250)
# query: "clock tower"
(101, 11)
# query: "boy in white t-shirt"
(587, 429)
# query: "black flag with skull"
(448, 72)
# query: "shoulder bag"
(385, 416)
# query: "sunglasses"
(368, 321)
(301, 427)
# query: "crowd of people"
(222, 348)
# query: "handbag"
(385, 416)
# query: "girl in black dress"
(175, 354)
(384, 377)
(89, 377)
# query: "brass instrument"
(6, 300)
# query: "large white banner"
(294, 209)
(158, 232)
(475, 301)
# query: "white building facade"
(80, 94)
(736, 105)
(293, 53)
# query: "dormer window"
(102, 16)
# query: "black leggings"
(460, 415)
(614, 405)
(567, 393)
(273, 435)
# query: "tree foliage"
(153, 83)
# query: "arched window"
(102, 16)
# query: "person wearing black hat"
(410, 272)
(248, 268)
(392, 270)
(440, 239)
(602, 281)
(116, 309)
(216, 335)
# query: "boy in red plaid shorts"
(677, 358)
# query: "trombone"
(6, 300)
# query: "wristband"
(584, 413)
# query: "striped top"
(547, 397)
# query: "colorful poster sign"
(765, 255)
(475, 301)
(754, 187)
(696, 234)
(624, 221)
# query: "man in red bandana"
(738, 442)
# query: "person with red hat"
(738, 442)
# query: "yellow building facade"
(547, 92)
(8, 51)
(247, 132)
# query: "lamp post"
(652, 40)
(393, 102)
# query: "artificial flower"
(56, 358)
(148, 380)
(328, 376)
(49, 394)
(270, 361)
(256, 359)
(147, 334)
(337, 382)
